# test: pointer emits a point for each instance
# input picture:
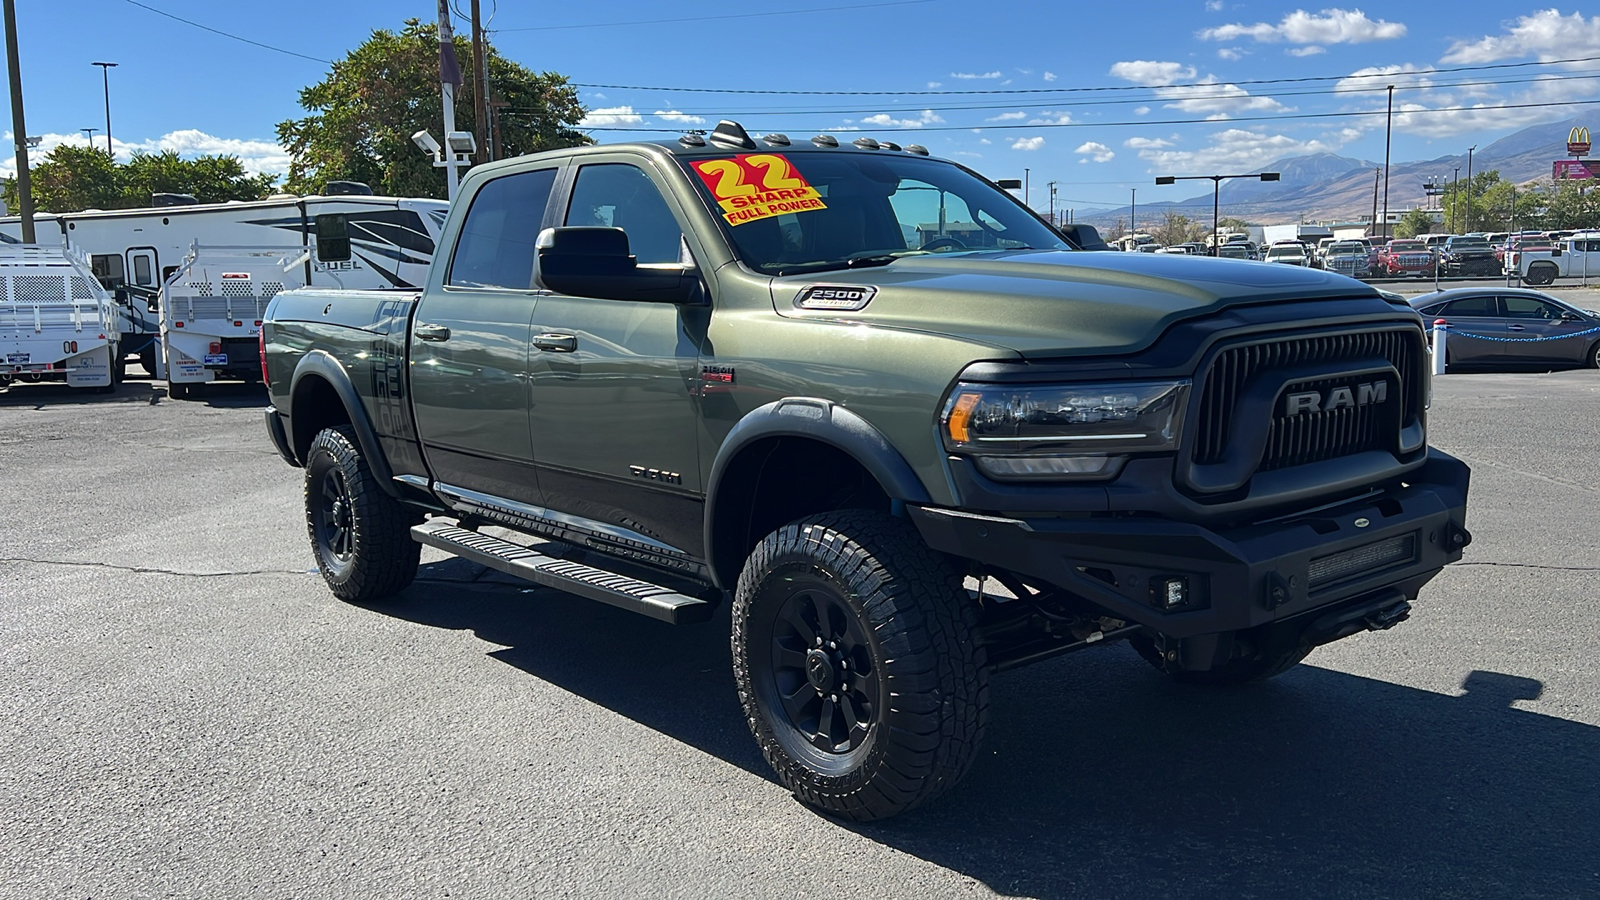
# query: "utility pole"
(449, 80)
(1455, 197)
(1468, 220)
(1376, 174)
(480, 74)
(105, 76)
(1027, 193)
(1052, 186)
(1388, 132)
(18, 127)
(1133, 213)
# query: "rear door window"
(496, 245)
(1481, 307)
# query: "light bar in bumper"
(1228, 579)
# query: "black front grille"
(1308, 438)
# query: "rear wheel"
(361, 537)
(1594, 355)
(856, 664)
(1541, 275)
(1255, 666)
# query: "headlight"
(1081, 431)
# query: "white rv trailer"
(56, 321)
(132, 251)
(211, 311)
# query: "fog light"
(1173, 592)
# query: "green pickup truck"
(910, 431)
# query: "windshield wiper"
(864, 260)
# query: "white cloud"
(611, 115)
(885, 120)
(1229, 53)
(257, 157)
(1151, 73)
(1049, 76)
(1332, 26)
(1029, 143)
(968, 76)
(1096, 151)
(1052, 118)
(1378, 77)
(935, 84)
(1213, 5)
(1235, 149)
(1141, 111)
(672, 115)
(985, 141)
(1007, 116)
(967, 153)
(1141, 143)
(1214, 98)
(1308, 50)
(1545, 34)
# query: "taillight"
(261, 344)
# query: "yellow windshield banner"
(755, 186)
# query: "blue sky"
(1098, 97)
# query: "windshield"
(806, 212)
(1406, 246)
(1468, 243)
(1285, 251)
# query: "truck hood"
(1043, 303)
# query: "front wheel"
(1258, 665)
(1594, 355)
(361, 537)
(856, 664)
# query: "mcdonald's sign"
(1578, 141)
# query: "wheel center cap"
(819, 671)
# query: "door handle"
(431, 333)
(554, 342)
(1518, 328)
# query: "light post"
(1027, 192)
(1468, 226)
(105, 76)
(1455, 197)
(1388, 132)
(88, 134)
(1216, 196)
(1133, 213)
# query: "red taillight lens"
(216, 347)
(261, 343)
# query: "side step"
(588, 582)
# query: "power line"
(759, 15)
(1071, 90)
(1143, 122)
(227, 35)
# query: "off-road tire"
(363, 546)
(1236, 671)
(925, 686)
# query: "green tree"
(1177, 228)
(1413, 223)
(1569, 204)
(364, 113)
(73, 177)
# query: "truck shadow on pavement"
(1101, 779)
(224, 395)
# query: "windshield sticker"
(755, 186)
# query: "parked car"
(1468, 255)
(1578, 254)
(1290, 253)
(1350, 258)
(1403, 258)
(1512, 326)
(1235, 250)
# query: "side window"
(495, 249)
(618, 195)
(108, 269)
(1471, 306)
(1529, 308)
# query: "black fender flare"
(322, 364)
(818, 420)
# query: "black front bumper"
(1236, 578)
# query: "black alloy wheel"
(360, 536)
(857, 663)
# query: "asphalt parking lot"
(191, 714)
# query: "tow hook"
(1388, 617)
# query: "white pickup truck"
(56, 321)
(1577, 256)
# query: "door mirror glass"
(333, 238)
(593, 261)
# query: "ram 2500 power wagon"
(906, 428)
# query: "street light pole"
(1455, 197)
(1027, 192)
(18, 127)
(1388, 132)
(1468, 225)
(1216, 196)
(105, 76)
(88, 134)
(1133, 213)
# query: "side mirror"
(588, 261)
(1571, 317)
(121, 296)
(1555, 251)
(333, 238)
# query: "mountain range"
(1323, 187)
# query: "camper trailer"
(135, 250)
